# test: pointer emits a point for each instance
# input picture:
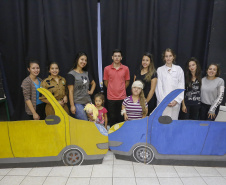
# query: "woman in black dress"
(147, 74)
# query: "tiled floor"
(114, 172)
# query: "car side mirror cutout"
(52, 120)
(165, 119)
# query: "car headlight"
(115, 127)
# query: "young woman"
(34, 107)
(57, 86)
(192, 99)
(170, 77)
(78, 80)
(212, 93)
(147, 74)
(135, 106)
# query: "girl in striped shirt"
(135, 106)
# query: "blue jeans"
(80, 113)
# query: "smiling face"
(212, 71)
(146, 61)
(82, 61)
(54, 70)
(192, 66)
(136, 91)
(98, 101)
(117, 57)
(169, 58)
(34, 69)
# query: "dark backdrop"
(45, 30)
(217, 49)
(154, 25)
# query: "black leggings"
(204, 112)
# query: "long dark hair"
(151, 68)
(188, 75)
(78, 55)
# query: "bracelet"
(123, 111)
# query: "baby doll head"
(91, 109)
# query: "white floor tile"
(111, 162)
(123, 171)
(147, 181)
(1, 177)
(170, 181)
(193, 180)
(124, 181)
(100, 181)
(40, 172)
(222, 171)
(102, 171)
(207, 171)
(215, 180)
(55, 181)
(19, 171)
(109, 157)
(33, 181)
(144, 171)
(61, 171)
(78, 181)
(186, 171)
(12, 180)
(82, 171)
(5, 171)
(165, 171)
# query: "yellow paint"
(5, 149)
(115, 127)
(34, 138)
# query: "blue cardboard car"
(158, 137)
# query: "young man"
(116, 79)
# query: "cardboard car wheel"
(143, 154)
(73, 157)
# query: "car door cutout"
(52, 120)
(165, 119)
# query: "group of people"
(200, 100)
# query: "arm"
(71, 98)
(93, 86)
(180, 85)
(134, 79)
(217, 102)
(106, 83)
(184, 108)
(146, 113)
(106, 120)
(152, 90)
(43, 98)
(127, 83)
(159, 87)
(30, 106)
(124, 114)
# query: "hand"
(125, 117)
(211, 115)
(73, 109)
(184, 109)
(90, 92)
(65, 99)
(172, 104)
(61, 102)
(36, 116)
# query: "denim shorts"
(80, 113)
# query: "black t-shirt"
(192, 94)
(147, 85)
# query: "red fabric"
(116, 89)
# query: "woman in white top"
(170, 77)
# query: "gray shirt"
(81, 82)
(212, 92)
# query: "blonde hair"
(142, 103)
(93, 108)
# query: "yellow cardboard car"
(58, 137)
